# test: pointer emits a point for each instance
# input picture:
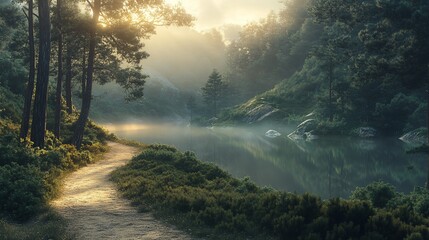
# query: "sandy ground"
(94, 209)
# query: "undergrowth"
(31, 177)
(208, 202)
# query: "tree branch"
(90, 5)
(26, 15)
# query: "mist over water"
(328, 167)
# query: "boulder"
(304, 130)
(366, 132)
(417, 137)
(272, 134)
(307, 126)
(259, 113)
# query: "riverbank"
(209, 203)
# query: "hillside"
(360, 71)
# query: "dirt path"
(94, 209)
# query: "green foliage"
(378, 193)
(296, 96)
(271, 50)
(417, 201)
(13, 74)
(30, 177)
(366, 64)
(10, 105)
(23, 191)
(214, 92)
(335, 127)
(178, 185)
(396, 113)
(11, 148)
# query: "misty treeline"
(76, 42)
(180, 77)
(353, 63)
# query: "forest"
(358, 63)
(340, 80)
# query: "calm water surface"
(328, 167)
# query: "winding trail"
(94, 210)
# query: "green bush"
(378, 193)
(11, 148)
(202, 195)
(29, 177)
(22, 192)
(417, 201)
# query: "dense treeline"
(31, 177)
(209, 202)
(271, 50)
(100, 42)
(353, 63)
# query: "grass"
(131, 143)
(48, 225)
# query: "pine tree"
(213, 92)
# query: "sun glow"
(217, 13)
(125, 127)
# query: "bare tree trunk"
(427, 112)
(25, 124)
(86, 98)
(84, 71)
(38, 127)
(331, 76)
(68, 87)
(58, 98)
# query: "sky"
(194, 56)
(217, 13)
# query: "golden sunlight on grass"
(125, 127)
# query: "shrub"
(378, 193)
(182, 187)
(417, 201)
(29, 177)
(23, 191)
(11, 149)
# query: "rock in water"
(304, 130)
(272, 134)
(418, 137)
(306, 126)
(366, 132)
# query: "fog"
(285, 164)
(218, 13)
(184, 56)
(181, 61)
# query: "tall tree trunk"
(25, 124)
(38, 127)
(86, 98)
(331, 76)
(68, 85)
(427, 112)
(84, 72)
(58, 98)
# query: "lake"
(328, 167)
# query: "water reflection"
(327, 167)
